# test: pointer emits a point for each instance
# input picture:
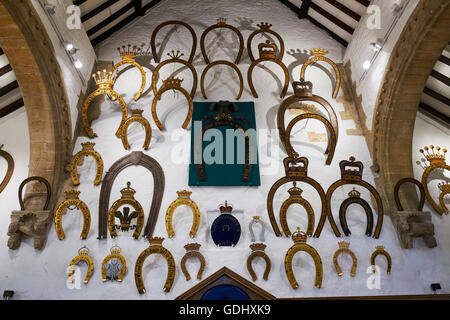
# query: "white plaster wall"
(74, 84)
(43, 274)
(359, 51)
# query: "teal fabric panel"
(223, 174)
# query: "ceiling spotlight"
(78, 64)
(50, 8)
(366, 65)
(397, 7)
(68, 45)
(376, 46)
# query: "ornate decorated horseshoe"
(192, 251)
(35, 178)
(258, 251)
(128, 57)
(349, 176)
(319, 55)
(136, 116)
(219, 62)
(268, 52)
(116, 272)
(136, 158)
(445, 189)
(9, 159)
(436, 160)
(222, 23)
(175, 58)
(297, 170)
(295, 196)
(174, 84)
(184, 199)
(264, 27)
(331, 141)
(72, 200)
(355, 197)
(166, 23)
(303, 92)
(105, 82)
(344, 247)
(397, 197)
(380, 250)
(299, 238)
(256, 219)
(154, 248)
(83, 255)
(87, 150)
(125, 218)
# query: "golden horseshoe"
(268, 55)
(295, 196)
(192, 251)
(300, 244)
(436, 161)
(126, 199)
(175, 57)
(155, 247)
(445, 189)
(297, 170)
(83, 255)
(264, 27)
(319, 55)
(218, 62)
(136, 116)
(72, 200)
(174, 84)
(187, 26)
(344, 247)
(9, 159)
(128, 57)
(115, 254)
(331, 141)
(349, 176)
(87, 150)
(380, 250)
(183, 199)
(258, 251)
(222, 23)
(105, 83)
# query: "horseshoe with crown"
(264, 27)
(87, 150)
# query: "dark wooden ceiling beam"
(110, 19)
(331, 33)
(444, 59)
(365, 3)
(437, 96)
(434, 112)
(345, 9)
(5, 69)
(1, 51)
(78, 2)
(332, 18)
(441, 77)
(138, 7)
(97, 10)
(8, 88)
(11, 107)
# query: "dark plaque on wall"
(225, 230)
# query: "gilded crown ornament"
(302, 88)
(349, 174)
(309, 108)
(256, 217)
(184, 194)
(380, 247)
(257, 246)
(83, 251)
(175, 55)
(444, 186)
(344, 244)
(136, 112)
(225, 208)
(155, 241)
(432, 156)
(192, 246)
(128, 192)
(71, 194)
(129, 53)
(87, 145)
(299, 236)
(221, 22)
(319, 52)
(295, 191)
(172, 83)
(115, 249)
(264, 26)
(105, 80)
(267, 50)
(296, 167)
(354, 193)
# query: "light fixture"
(78, 64)
(68, 45)
(376, 46)
(366, 65)
(50, 8)
(397, 7)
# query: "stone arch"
(30, 52)
(423, 39)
